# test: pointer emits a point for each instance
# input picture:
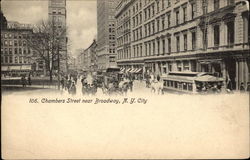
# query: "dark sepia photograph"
(125, 79)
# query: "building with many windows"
(106, 53)
(87, 58)
(160, 36)
(3, 20)
(57, 15)
(16, 56)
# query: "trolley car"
(191, 82)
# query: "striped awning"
(138, 70)
(132, 70)
(122, 70)
(128, 70)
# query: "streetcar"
(192, 82)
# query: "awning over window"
(132, 70)
(4, 68)
(128, 70)
(122, 70)
(138, 70)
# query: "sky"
(81, 18)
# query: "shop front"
(16, 70)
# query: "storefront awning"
(132, 70)
(4, 68)
(138, 70)
(122, 70)
(128, 70)
(16, 68)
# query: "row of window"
(124, 39)
(163, 46)
(159, 24)
(14, 35)
(15, 51)
(137, 6)
(150, 12)
(121, 29)
(178, 85)
(16, 43)
(9, 59)
(124, 53)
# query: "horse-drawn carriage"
(89, 85)
(114, 82)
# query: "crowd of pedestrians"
(68, 83)
(117, 85)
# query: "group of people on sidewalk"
(68, 83)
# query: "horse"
(157, 86)
(123, 87)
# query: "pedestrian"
(229, 85)
(158, 77)
(75, 79)
(69, 85)
(65, 83)
(23, 81)
(73, 89)
(131, 85)
(29, 79)
(242, 88)
(62, 82)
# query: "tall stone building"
(106, 54)
(17, 57)
(3, 20)
(57, 15)
(160, 36)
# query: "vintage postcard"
(125, 79)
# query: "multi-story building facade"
(17, 57)
(160, 36)
(3, 20)
(57, 15)
(87, 59)
(106, 55)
